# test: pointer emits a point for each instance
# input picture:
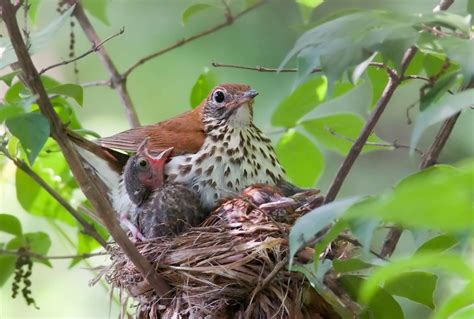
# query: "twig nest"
(234, 266)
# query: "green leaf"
(7, 111)
(447, 106)
(317, 283)
(302, 100)
(381, 306)
(250, 3)
(416, 64)
(321, 245)
(8, 78)
(10, 224)
(363, 230)
(339, 131)
(342, 43)
(439, 89)
(33, 10)
(37, 242)
(389, 272)
(7, 268)
(308, 225)
(97, 8)
(193, 9)
(56, 173)
(417, 286)
(350, 265)
(310, 3)
(460, 51)
(72, 90)
(455, 302)
(439, 243)
(378, 79)
(37, 40)
(470, 7)
(361, 67)
(86, 244)
(32, 129)
(203, 86)
(465, 313)
(433, 63)
(302, 161)
(351, 99)
(306, 8)
(430, 194)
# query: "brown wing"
(114, 159)
(184, 133)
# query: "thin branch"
(88, 228)
(356, 148)
(95, 48)
(28, 253)
(229, 20)
(97, 83)
(417, 77)
(90, 184)
(395, 144)
(431, 155)
(435, 149)
(443, 5)
(116, 80)
(263, 69)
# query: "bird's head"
(229, 104)
(144, 172)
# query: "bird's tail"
(105, 163)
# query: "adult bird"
(217, 149)
(161, 209)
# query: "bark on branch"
(116, 80)
(90, 185)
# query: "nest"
(233, 266)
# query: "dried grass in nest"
(233, 267)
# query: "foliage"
(344, 59)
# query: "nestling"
(161, 208)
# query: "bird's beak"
(250, 94)
(162, 156)
(246, 98)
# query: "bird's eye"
(218, 96)
(143, 163)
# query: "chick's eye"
(218, 97)
(143, 163)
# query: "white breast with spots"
(230, 160)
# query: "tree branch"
(229, 20)
(90, 184)
(28, 253)
(444, 132)
(263, 69)
(395, 144)
(116, 80)
(88, 229)
(95, 48)
(356, 148)
(430, 157)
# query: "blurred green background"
(161, 89)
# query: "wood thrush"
(161, 208)
(217, 149)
